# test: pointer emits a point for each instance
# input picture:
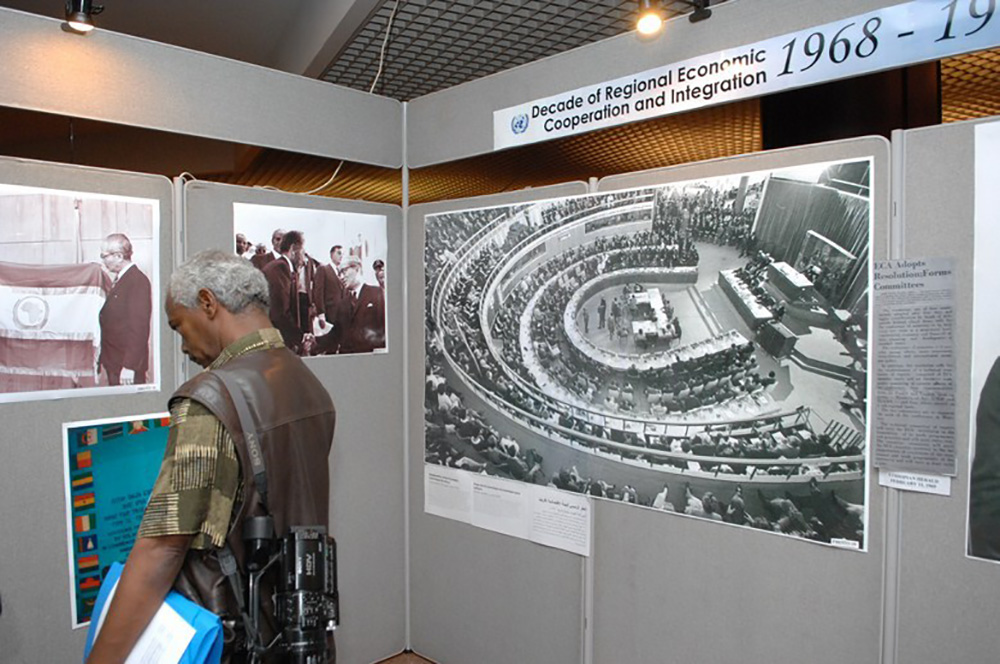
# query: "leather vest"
(295, 420)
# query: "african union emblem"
(31, 312)
(519, 123)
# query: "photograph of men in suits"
(125, 316)
(320, 325)
(283, 286)
(362, 313)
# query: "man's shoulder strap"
(250, 437)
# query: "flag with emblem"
(50, 334)
(82, 500)
(87, 437)
(162, 422)
(90, 583)
(138, 426)
(86, 544)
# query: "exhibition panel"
(366, 473)
(477, 595)
(947, 601)
(844, 596)
(58, 220)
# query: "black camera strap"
(249, 435)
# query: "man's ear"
(208, 303)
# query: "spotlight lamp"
(650, 21)
(78, 15)
(701, 11)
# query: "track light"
(701, 10)
(78, 15)
(650, 21)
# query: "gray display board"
(947, 603)
(475, 595)
(126, 80)
(669, 589)
(366, 466)
(34, 582)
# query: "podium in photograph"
(776, 339)
(793, 284)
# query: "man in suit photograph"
(125, 316)
(282, 282)
(361, 313)
(328, 292)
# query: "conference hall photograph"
(696, 347)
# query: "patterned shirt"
(200, 478)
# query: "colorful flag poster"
(68, 325)
(108, 478)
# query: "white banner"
(51, 313)
(886, 38)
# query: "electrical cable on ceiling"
(378, 75)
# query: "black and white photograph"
(79, 278)
(325, 272)
(984, 447)
(697, 347)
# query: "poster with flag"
(108, 478)
(74, 267)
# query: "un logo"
(519, 124)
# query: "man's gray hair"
(236, 283)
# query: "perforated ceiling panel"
(435, 44)
(970, 86)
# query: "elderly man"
(218, 304)
(362, 314)
(260, 261)
(125, 315)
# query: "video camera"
(302, 569)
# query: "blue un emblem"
(519, 123)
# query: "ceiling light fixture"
(78, 15)
(650, 22)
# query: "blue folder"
(205, 646)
